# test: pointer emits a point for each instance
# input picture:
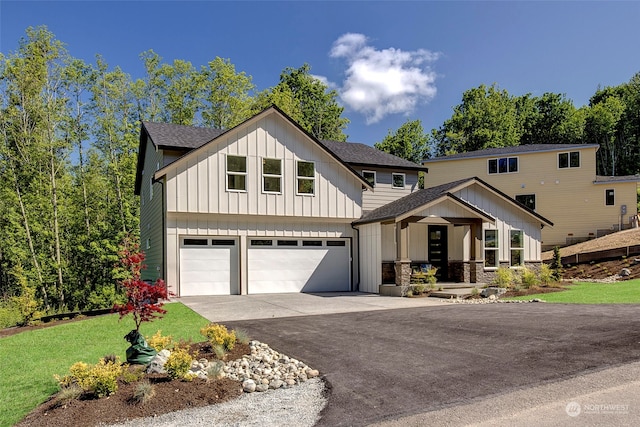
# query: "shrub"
(144, 392)
(546, 274)
(242, 336)
(158, 342)
(67, 394)
(504, 277)
(215, 370)
(10, 315)
(528, 278)
(218, 334)
(419, 288)
(220, 351)
(556, 264)
(133, 374)
(178, 364)
(475, 291)
(100, 379)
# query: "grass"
(29, 360)
(627, 292)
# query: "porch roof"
(402, 208)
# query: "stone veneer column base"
(403, 272)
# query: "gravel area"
(299, 405)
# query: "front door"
(438, 255)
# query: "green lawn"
(29, 360)
(627, 292)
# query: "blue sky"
(390, 61)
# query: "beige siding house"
(556, 181)
(265, 207)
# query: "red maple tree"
(144, 300)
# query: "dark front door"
(438, 255)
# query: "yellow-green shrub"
(178, 364)
(158, 342)
(218, 334)
(528, 278)
(504, 277)
(100, 379)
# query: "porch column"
(475, 253)
(403, 263)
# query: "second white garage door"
(278, 265)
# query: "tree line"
(490, 117)
(70, 131)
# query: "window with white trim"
(503, 165)
(272, 175)
(370, 177)
(516, 246)
(569, 160)
(306, 178)
(491, 258)
(397, 180)
(610, 197)
(236, 173)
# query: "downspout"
(358, 257)
(164, 233)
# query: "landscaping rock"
(487, 292)
(249, 386)
(156, 366)
(625, 272)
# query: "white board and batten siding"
(198, 185)
(370, 237)
(508, 217)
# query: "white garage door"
(298, 265)
(208, 266)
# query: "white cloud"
(383, 82)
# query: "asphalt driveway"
(387, 364)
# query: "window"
(272, 175)
(370, 176)
(336, 243)
(312, 243)
(569, 160)
(236, 173)
(397, 180)
(516, 243)
(610, 197)
(287, 243)
(306, 177)
(503, 165)
(261, 242)
(491, 248)
(223, 242)
(195, 242)
(529, 200)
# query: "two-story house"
(556, 180)
(265, 207)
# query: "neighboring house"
(265, 207)
(556, 180)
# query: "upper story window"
(306, 177)
(610, 197)
(272, 175)
(503, 165)
(370, 176)
(236, 173)
(569, 160)
(529, 200)
(397, 180)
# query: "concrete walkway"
(227, 308)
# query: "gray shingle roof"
(356, 153)
(169, 135)
(626, 178)
(409, 202)
(518, 149)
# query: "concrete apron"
(227, 308)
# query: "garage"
(277, 265)
(208, 266)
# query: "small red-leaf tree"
(143, 300)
